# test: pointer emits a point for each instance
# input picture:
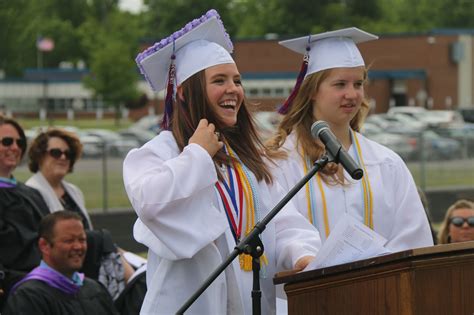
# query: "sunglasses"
(8, 141)
(459, 221)
(57, 153)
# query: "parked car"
(92, 146)
(149, 122)
(464, 134)
(407, 110)
(467, 114)
(383, 123)
(433, 118)
(115, 145)
(441, 118)
(140, 135)
(431, 146)
(401, 144)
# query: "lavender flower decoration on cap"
(155, 61)
(200, 44)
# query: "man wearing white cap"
(330, 88)
(201, 184)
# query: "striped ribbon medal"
(240, 200)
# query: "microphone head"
(317, 127)
(357, 174)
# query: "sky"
(133, 6)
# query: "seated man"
(55, 287)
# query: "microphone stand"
(252, 245)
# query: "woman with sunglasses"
(52, 156)
(21, 209)
(458, 223)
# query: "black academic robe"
(21, 210)
(37, 297)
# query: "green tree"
(114, 75)
(17, 38)
(112, 45)
(300, 17)
(22, 21)
(164, 17)
(461, 14)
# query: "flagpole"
(39, 54)
(39, 59)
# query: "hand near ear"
(206, 137)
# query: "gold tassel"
(245, 262)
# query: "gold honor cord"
(245, 260)
(368, 197)
(369, 204)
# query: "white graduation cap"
(334, 49)
(202, 43)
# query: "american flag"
(44, 44)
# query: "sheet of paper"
(350, 240)
(134, 260)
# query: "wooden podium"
(431, 280)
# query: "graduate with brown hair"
(202, 183)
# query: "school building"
(434, 70)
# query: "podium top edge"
(406, 255)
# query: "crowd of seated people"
(52, 156)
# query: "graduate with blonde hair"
(330, 88)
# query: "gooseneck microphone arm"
(320, 130)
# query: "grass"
(443, 173)
(88, 176)
(92, 185)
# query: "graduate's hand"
(206, 137)
(303, 262)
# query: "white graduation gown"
(40, 183)
(398, 214)
(182, 222)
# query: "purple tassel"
(286, 106)
(170, 96)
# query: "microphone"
(320, 129)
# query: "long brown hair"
(300, 118)
(242, 137)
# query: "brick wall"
(421, 52)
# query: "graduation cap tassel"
(304, 67)
(170, 94)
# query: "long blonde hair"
(300, 118)
(443, 234)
